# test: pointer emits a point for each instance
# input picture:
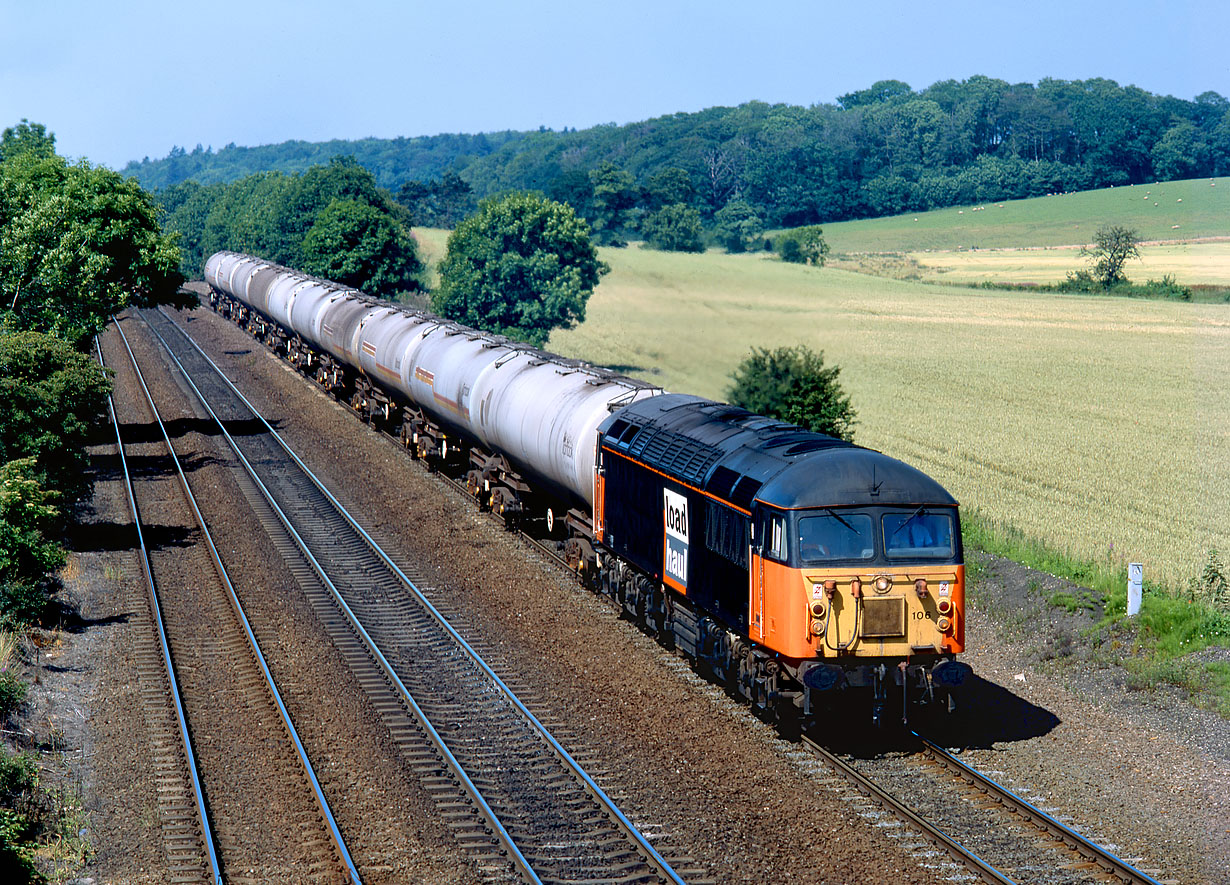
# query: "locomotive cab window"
(830, 535)
(771, 535)
(923, 533)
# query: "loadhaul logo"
(675, 540)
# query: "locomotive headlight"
(817, 627)
(944, 605)
(942, 624)
(817, 608)
(883, 583)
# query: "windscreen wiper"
(833, 513)
(913, 516)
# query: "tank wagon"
(795, 567)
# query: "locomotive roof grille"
(673, 453)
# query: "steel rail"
(1107, 861)
(317, 790)
(942, 840)
(181, 717)
(591, 786)
(436, 738)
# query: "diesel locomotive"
(794, 567)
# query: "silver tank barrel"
(540, 410)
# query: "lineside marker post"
(1136, 572)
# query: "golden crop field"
(1098, 425)
(1192, 263)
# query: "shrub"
(803, 245)
(793, 384)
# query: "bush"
(1211, 587)
(803, 245)
(12, 693)
(793, 384)
(18, 799)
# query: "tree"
(674, 228)
(77, 244)
(27, 138)
(803, 245)
(53, 395)
(614, 195)
(669, 186)
(1181, 153)
(1113, 245)
(360, 246)
(793, 384)
(738, 227)
(521, 266)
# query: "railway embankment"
(1142, 771)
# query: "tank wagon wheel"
(475, 486)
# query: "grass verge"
(1165, 644)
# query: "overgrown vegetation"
(793, 384)
(77, 243)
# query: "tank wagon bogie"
(788, 564)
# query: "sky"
(123, 80)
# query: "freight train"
(794, 567)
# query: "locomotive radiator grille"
(883, 617)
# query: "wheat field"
(1100, 426)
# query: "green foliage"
(803, 245)
(882, 150)
(614, 195)
(27, 138)
(12, 693)
(1113, 245)
(674, 228)
(520, 266)
(737, 226)
(1210, 587)
(793, 384)
(358, 245)
(19, 794)
(306, 221)
(77, 244)
(669, 186)
(28, 517)
(53, 395)
(444, 203)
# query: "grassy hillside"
(1097, 425)
(1168, 211)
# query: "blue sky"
(121, 80)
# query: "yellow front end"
(898, 612)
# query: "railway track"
(265, 818)
(998, 837)
(516, 800)
(1022, 841)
